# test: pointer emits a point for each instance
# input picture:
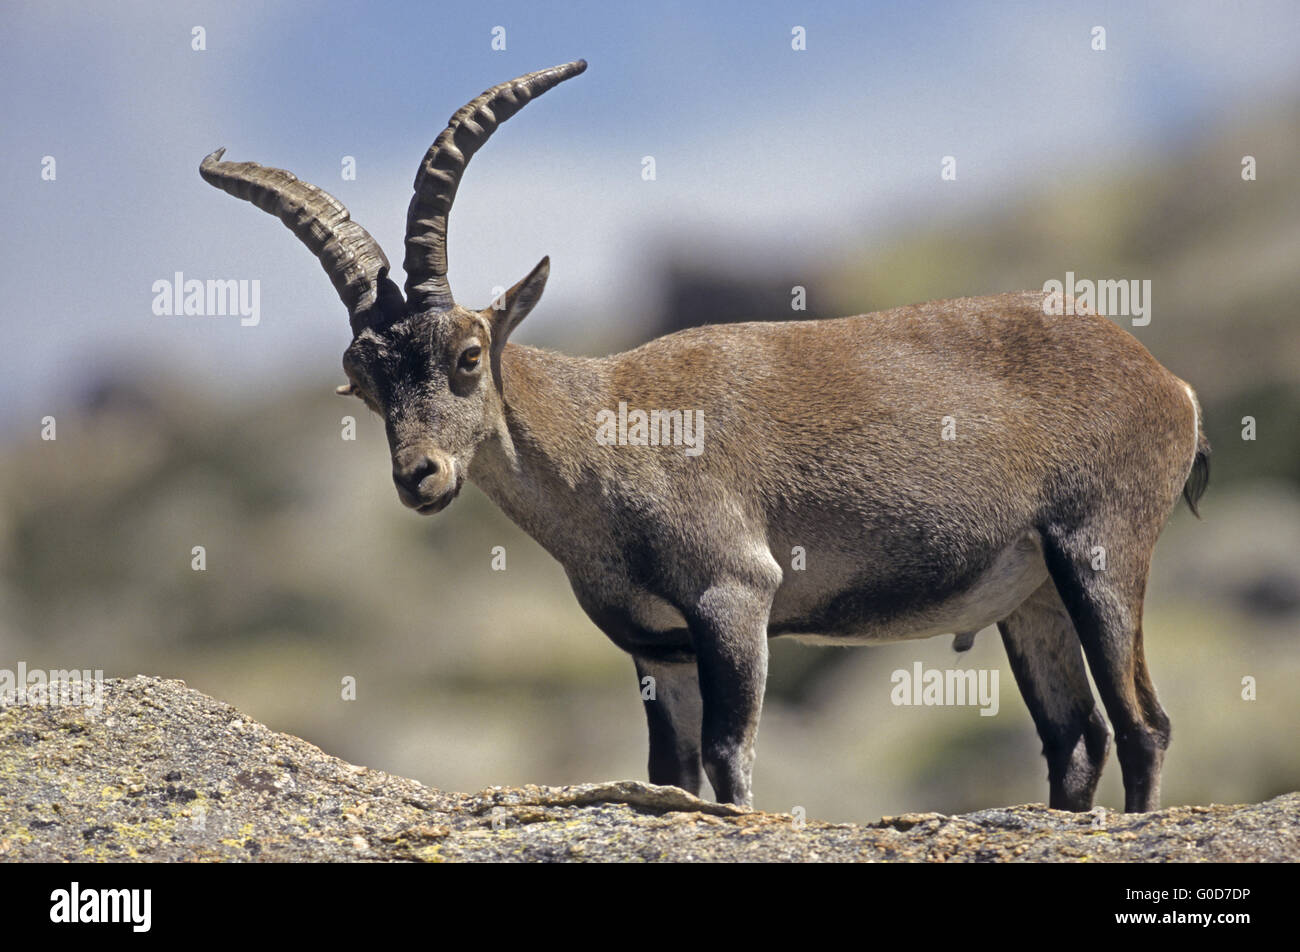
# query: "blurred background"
(774, 168)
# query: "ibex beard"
(940, 468)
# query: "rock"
(164, 773)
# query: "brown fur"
(826, 435)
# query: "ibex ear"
(505, 313)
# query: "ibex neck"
(545, 446)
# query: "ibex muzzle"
(426, 479)
(937, 469)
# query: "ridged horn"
(356, 265)
(440, 172)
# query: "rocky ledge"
(163, 773)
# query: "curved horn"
(440, 172)
(355, 263)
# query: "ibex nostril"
(410, 476)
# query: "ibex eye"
(470, 357)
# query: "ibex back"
(941, 468)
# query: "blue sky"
(760, 151)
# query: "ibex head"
(428, 365)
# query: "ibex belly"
(846, 602)
(840, 605)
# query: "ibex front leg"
(729, 630)
(672, 712)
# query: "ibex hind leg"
(729, 631)
(1100, 570)
(1043, 649)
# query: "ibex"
(1065, 438)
